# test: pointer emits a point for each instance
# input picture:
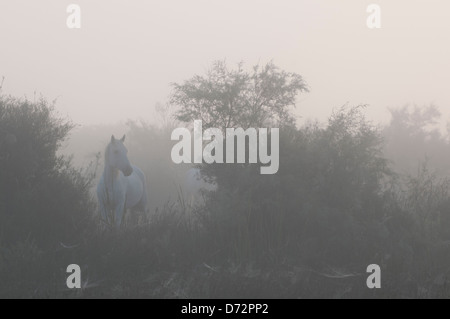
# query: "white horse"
(122, 185)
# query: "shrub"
(42, 197)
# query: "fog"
(360, 185)
(121, 61)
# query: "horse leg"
(104, 216)
(141, 210)
(119, 212)
(144, 201)
(102, 207)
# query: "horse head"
(116, 156)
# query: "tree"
(237, 98)
(224, 97)
(414, 136)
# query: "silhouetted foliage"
(347, 194)
(236, 98)
(330, 180)
(42, 197)
(413, 136)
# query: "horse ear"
(123, 138)
(113, 139)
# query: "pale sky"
(121, 61)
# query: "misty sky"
(120, 63)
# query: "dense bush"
(328, 191)
(42, 197)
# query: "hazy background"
(348, 193)
(121, 61)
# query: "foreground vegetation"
(338, 203)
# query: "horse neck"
(110, 173)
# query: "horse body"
(122, 186)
